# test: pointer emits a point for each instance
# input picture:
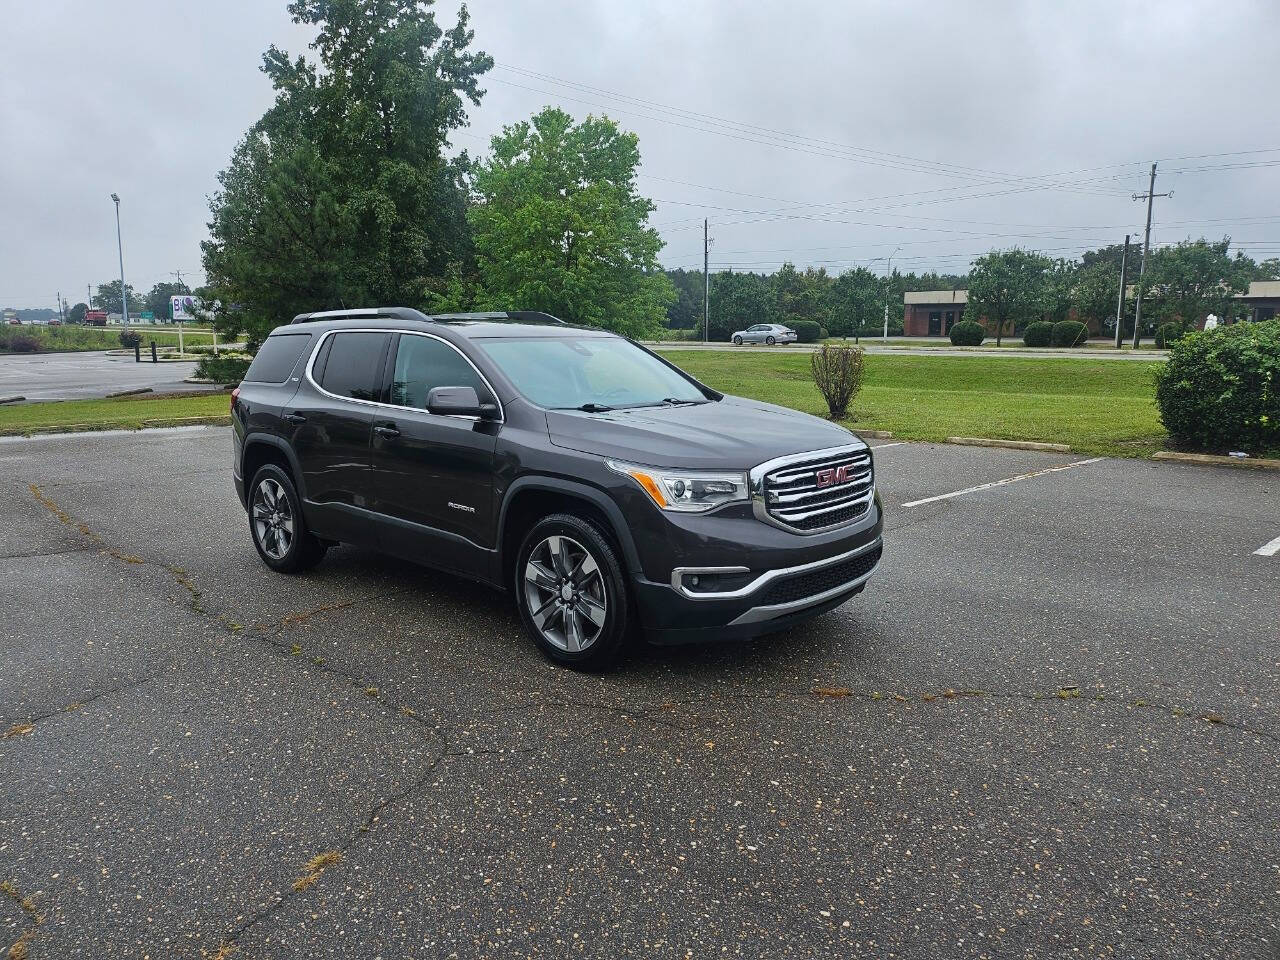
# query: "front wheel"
(770, 340)
(571, 592)
(737, 341)
(275, 520)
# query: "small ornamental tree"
(838, 373)
(1008, 286)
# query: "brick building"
(932, 313)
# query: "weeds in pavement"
(316, 866)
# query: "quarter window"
(354, 364)
(423, 363)
(276, 357)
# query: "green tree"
(1095, 292)
(1186, 282)
(1059, 289)
(157, 300)
(108, 298)
(858, 297)
(560, 226)
(1267, 270)
(340, 195)
(76, 313)
(740, 299)
(1007, 287)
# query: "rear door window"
(277, 357)
(354, 365)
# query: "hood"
(730, 434)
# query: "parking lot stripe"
(1000, 483)
(881, 446)
(1269, 549)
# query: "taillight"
(235, 395)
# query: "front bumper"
(794, 585)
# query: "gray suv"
(602, 487)
(769, 333)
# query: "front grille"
(806, 585)
(820, 492)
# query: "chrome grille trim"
(785, 491)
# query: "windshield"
(569, 373)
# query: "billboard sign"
(182, 307)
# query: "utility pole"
(1150, 197)
(124, 295)
(59, 306)
(706, 282)
(88, 292)
(887, 273)
(1124, 261)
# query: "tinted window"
(276, 357)
(423, 363)
(355, 361)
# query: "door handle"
(295, 418)
(387, 430)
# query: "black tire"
(572, 601)
(737, 341)
(770, 340)
(302, 551)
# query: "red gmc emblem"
(833, 475)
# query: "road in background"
(941, 350)
(77, 376)
(1050, 727)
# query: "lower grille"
(807, 585)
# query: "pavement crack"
(19, 950)
(27, 724)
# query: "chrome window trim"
(766, 578)
(502, 414)
(755, 483)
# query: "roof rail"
(397, 313)
(525, 316)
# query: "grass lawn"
(1098, 406)
(64, 339)
(122, 412)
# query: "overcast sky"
(828, 134)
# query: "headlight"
(688, 491)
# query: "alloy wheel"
(272, 518)
(565, 591)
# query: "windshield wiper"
(591, 408)
(677, 401)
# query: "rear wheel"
(571, 592)
(737, 341)
(275, 520)
(770, 340)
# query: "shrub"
(807, 331)
(1069, 333)
(130, 339)
(1167, 334)
(838, 373)
(20, 343)
(1220, 389)
(222, 369)
(1038, 334)
(968, 333)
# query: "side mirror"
(459, 402)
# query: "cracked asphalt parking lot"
(1048, 728)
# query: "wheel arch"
(529, 499)
(263, 448)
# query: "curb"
(1212, 460)
(128, 393)
(1010, 444)
(875, 434)
(158, 423)
(14, 399)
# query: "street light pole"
(888, 264)
(124, 295)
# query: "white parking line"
(1000, 483)
(896, 443)
(1269, 549)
